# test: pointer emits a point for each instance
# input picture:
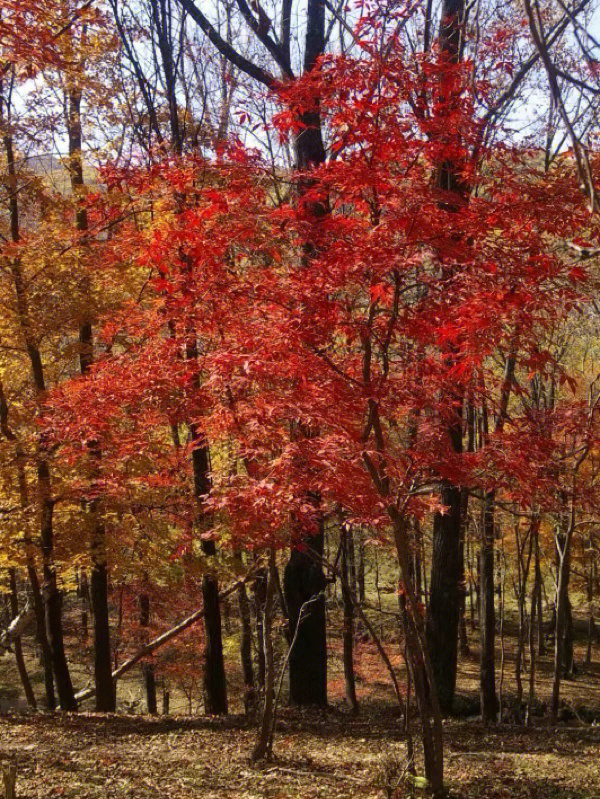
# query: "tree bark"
(303, 576)
(246, 647)
(348, 592)
(304, 580)
(444, 595)
(41, 636)
(420, 664)
(215, 682)
(563, 546)
(263, 749)
(17, 645)
(487, 675)
(51, 594)
(148, 667)
(105, 689)
(444, 602)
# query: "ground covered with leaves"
(317, 755)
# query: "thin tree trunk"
(422, 671)
(38, 602)
(51, 594)
(563, 547)
(591, 630)
(41, 636)
(502, 638)
(105, 689)
(148, 667)
(348, 634)
(260, 595)
(17, 645)
(540, 612)
(360, 576)
(246, 647)
(532, 653)
(263, 749)
(487, 626)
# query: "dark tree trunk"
(53, 597)
(148, 667)
(568, 651)
(260, 594)
(38, 604)
(215, 685)
(420, 666)
(462, 623)
(51, 594)
(246, 649)
(532, 652)
(445, 595)
(540, 611)
(348, 634)
(215, 682)
(263, 749)
(105, 689)
(563, 546)
(17, 645)
(41, 636)
(487, 627)
(360, 575)
(591, 630)
(304, 583)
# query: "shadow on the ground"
(506, 787)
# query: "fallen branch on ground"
(156, 643)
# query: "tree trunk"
(303, 578)
(215, 682)
(591, 629)
(148, 667)
(246, 649)
(348, 593)
(260, 595)
(51, 594)
(18, 648)
(487, 627)
(568, 651)
(264, 745)
(53, 597)
(360, 575)
(540, 613)
(444, 603)
(105, 689)
(421, 669)
(303, 582)
(563, 547)
(532, 650)
(41, 636)
(444, 596)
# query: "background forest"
(299, 398)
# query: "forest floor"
(327, 754)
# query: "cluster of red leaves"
(321, 338)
